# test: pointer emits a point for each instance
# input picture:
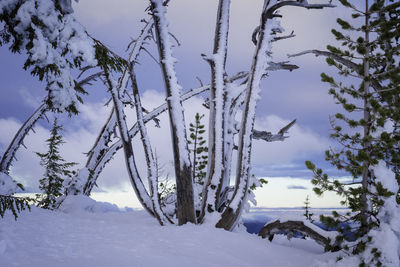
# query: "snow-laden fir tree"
(54, 43)
(368, 53)
(56, 169)
(9, 202)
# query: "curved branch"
(18, 140)
(290, 228)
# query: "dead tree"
(292, 228)
(227, 98)
(267, 31)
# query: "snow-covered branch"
(274, 66)
(269, 137)
(218, 117)
(140, 190)
(291, 228)
(18, 140)
(268, 28)
(54, 42)
(152, 172)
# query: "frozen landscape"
(88, 233)
(212, 121)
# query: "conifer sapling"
(56, 169)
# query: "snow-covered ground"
(89, 233)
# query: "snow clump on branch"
(54, 42)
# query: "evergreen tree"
(9, 202)
(307, 212)
(56, 169)
(15, 204)
(198, 149)
(368, 53)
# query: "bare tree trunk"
(137, 184)
(183, 174)
(216, 140)
(262, 54)
(151, 164)
(366, 176)
(262, 58)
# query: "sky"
(285, 95)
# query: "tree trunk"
(151, 164)
(366, 176)
(231, 214)
(137, 184)
(183, 174)
(216, 140)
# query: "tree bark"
(183, 174)
(291, 227)
(366, 175)
(137, 184)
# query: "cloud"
(301, 144)
(81, 131)
(29, 99)
(297, 187)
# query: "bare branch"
(291, 35)
(281, 66)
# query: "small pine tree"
(198, 148)
(56, 169)
(307, 212)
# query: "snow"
(103, 237)
(62, 30)
(7, 185)
(217, 105)
(81, 203)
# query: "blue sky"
(285, 96)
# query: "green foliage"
(39, 30)
(56, 169)
(367, 53)
(257, 182)
(306, 208)
(199, 149)
(107, 59)
(15, 204)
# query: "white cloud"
(81, 131)
(29, 99)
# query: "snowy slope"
(96, 234)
